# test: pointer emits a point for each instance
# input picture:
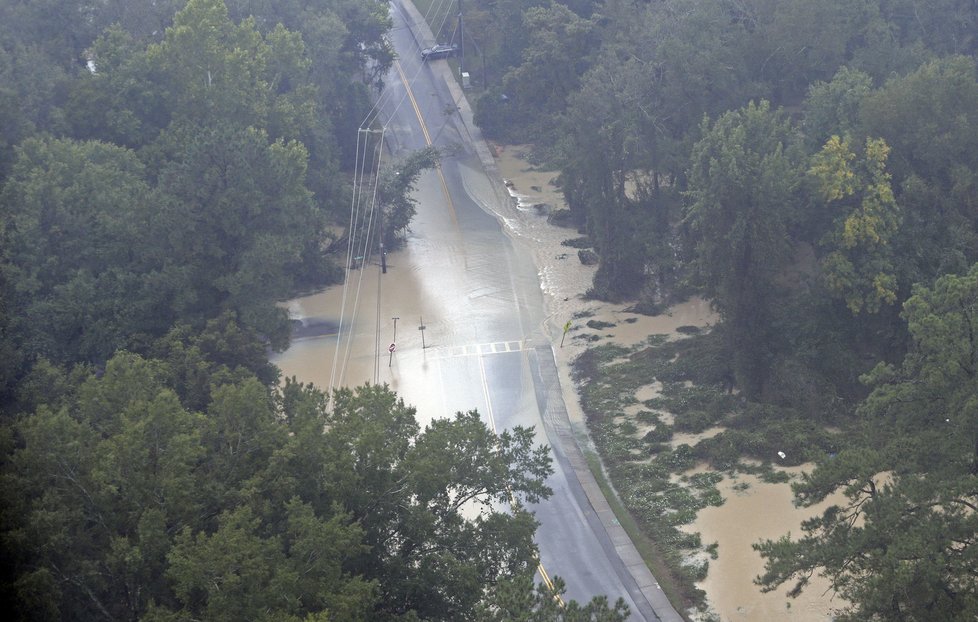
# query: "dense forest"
(811, 166)
(169, 171)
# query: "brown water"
(360, 355)
(761, 511)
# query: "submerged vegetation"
(650, 469)
(171, 168)
(811, 166)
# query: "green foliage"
(900, 545)
(520, 600)
(859, 264)
(640, 466)
(270, 505)
(742, 204)
(791, 44)
(832, 108)
(222, 203)
(553, 59)
(238, 215)
(807, 271)
(394, 189)
(72, 215)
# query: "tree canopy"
(902, 545)
(118, 501)
(169, 172)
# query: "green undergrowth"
(661, 482)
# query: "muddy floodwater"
(354, 349)
(342, 340)
(753, 511)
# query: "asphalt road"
(492, 354)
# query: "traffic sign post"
(421, 328)
(391, 349)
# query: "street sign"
(391, 348)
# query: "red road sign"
(391, 348)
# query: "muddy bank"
(753, 510)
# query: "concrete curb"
(555, 415)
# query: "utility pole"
(380, 216)
(421, 328)
(380, 232)
(461, 37)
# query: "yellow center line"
(482, 370)
(427, 139)
(512, 499)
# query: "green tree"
(790, 44)
(742, 185)
(930, 120)
(74, 214)
(90, 491)
(599, 154)
(832, 108)
(554, 59)
(119, 502)
(520, 600)
(429, 501)
(394, 189)
(902, 544)
(212, 69)
(239, 572)
(947, 26)
(859, 265)
(236, 216)
(198, 361)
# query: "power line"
(362, 211)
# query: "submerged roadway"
(491, 352)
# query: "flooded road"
(419, 285)
(753, 510)
(468, 271)
(485, 274)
